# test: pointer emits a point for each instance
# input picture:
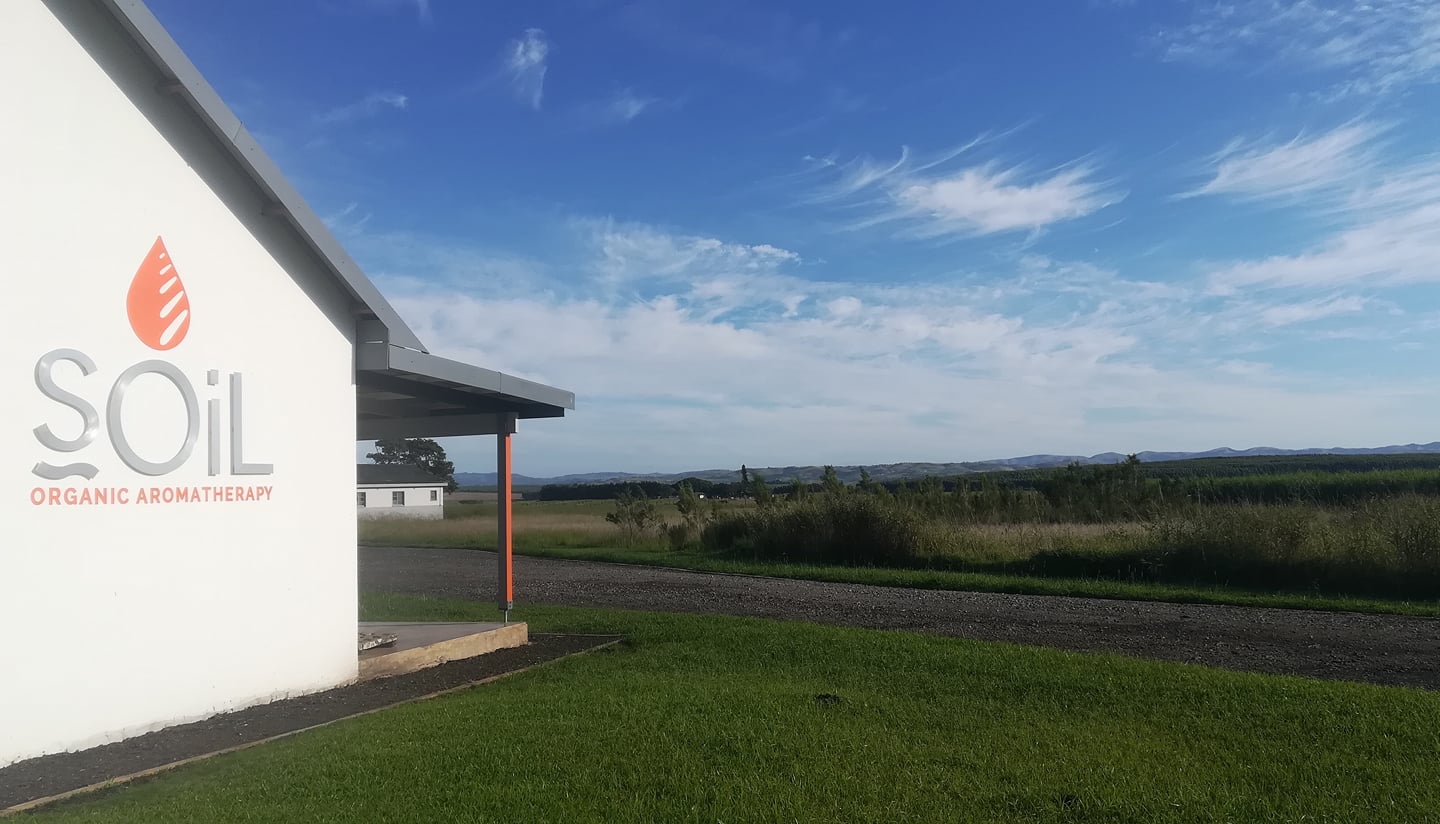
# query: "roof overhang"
(400, 392)
(401, 389)
(408, 485)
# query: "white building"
(190, 361)
(398, 491)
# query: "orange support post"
(505, 544)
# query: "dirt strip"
(52, 777)
(1379, 649)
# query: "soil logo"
(158, 308)
(157, 304)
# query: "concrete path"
(1343, 646)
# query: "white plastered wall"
(120, 619)
(379, 502)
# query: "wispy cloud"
(621, 107)
(525, 62)
(348, 221)
(369, 106)
(627, 105)
(1308, 311)
(1336, 161)
(768, 42)
(930, 198)
(1377, 46)
(420, 7)
(631, 251)
(1385, 207)
(1391, 251)
(837, 102)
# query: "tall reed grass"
(1388, 547)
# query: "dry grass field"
(567, 524)
(537, 524)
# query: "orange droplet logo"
(158, 306)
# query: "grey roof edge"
(166, 54)
(396, 484)
(434, 366)
(394, 475)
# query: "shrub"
(681, 536)
(1387, 547)
(636, 516)
(853, 530)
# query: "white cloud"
(525, 61)
(844, 307)
(927, 200)
(859, 387)
(1376, 46)
(369, 106)
(987, 200)
(1336, 160)
(718, 352)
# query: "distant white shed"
(398, 491)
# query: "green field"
(728, 719)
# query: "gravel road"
(1379, 649)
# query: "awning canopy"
(404, 393)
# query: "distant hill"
(905, 471)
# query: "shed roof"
(402, 390)
(394, 475)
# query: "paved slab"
(420, 645)
(1379, 649)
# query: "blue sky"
(850, 232)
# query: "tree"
(867, 484)
(694, 516)
(419, 452)
(799, 491)
(635, 514)
(831, 483)
(744, 475)
(761, 490)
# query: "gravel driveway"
(1380, 649)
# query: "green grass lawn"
(717, 720)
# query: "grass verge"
(731, 719)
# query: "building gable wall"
(150, 597)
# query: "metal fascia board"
(431, 366)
